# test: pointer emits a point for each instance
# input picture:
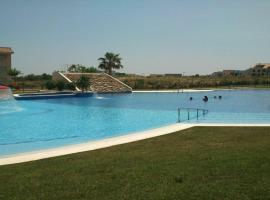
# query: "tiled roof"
(266, 66)
(6, 50)
(262, 65)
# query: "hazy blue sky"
(152, 36)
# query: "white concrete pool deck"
(173, 91)
(93, 145)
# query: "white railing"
(190, 113)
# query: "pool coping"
(104, 143)
(173, 91)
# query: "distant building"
(232, 72)
(5, 63)
(217, 73)
(260, 69)
(165, 75)
(228, 73)
(156, 75)
(174, 75)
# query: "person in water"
(205, 98)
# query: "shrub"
(139, 84)
(83, 83)
(45, 76)
(50, 85)
(60, 85)
(70, 86)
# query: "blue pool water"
(40, 124)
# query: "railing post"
(197, 110)
(179, 117)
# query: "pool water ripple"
(40, 124)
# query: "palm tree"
(13, 72)
(72, 68)
(109, 62)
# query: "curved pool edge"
(174, 91)
(91, 145)
(104, 143)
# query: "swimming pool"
(46, 123)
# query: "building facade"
(228, 73)
(5, 63)
(260, 69)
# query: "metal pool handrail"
(188, 110)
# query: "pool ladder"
(189, 111)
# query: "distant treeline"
(44, 81)
(157, 83)
(33, 77)
(31, 81)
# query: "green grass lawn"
(198, 163)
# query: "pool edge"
(104, 143)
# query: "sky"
(151, 36)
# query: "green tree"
(30, 77)
(81, 69)
(83, 83)
(50, 85)
(109, 62)
(13, 72)
(60, 85)
(45, 76)
(72, 68)
(91, 69)
(70, 86)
